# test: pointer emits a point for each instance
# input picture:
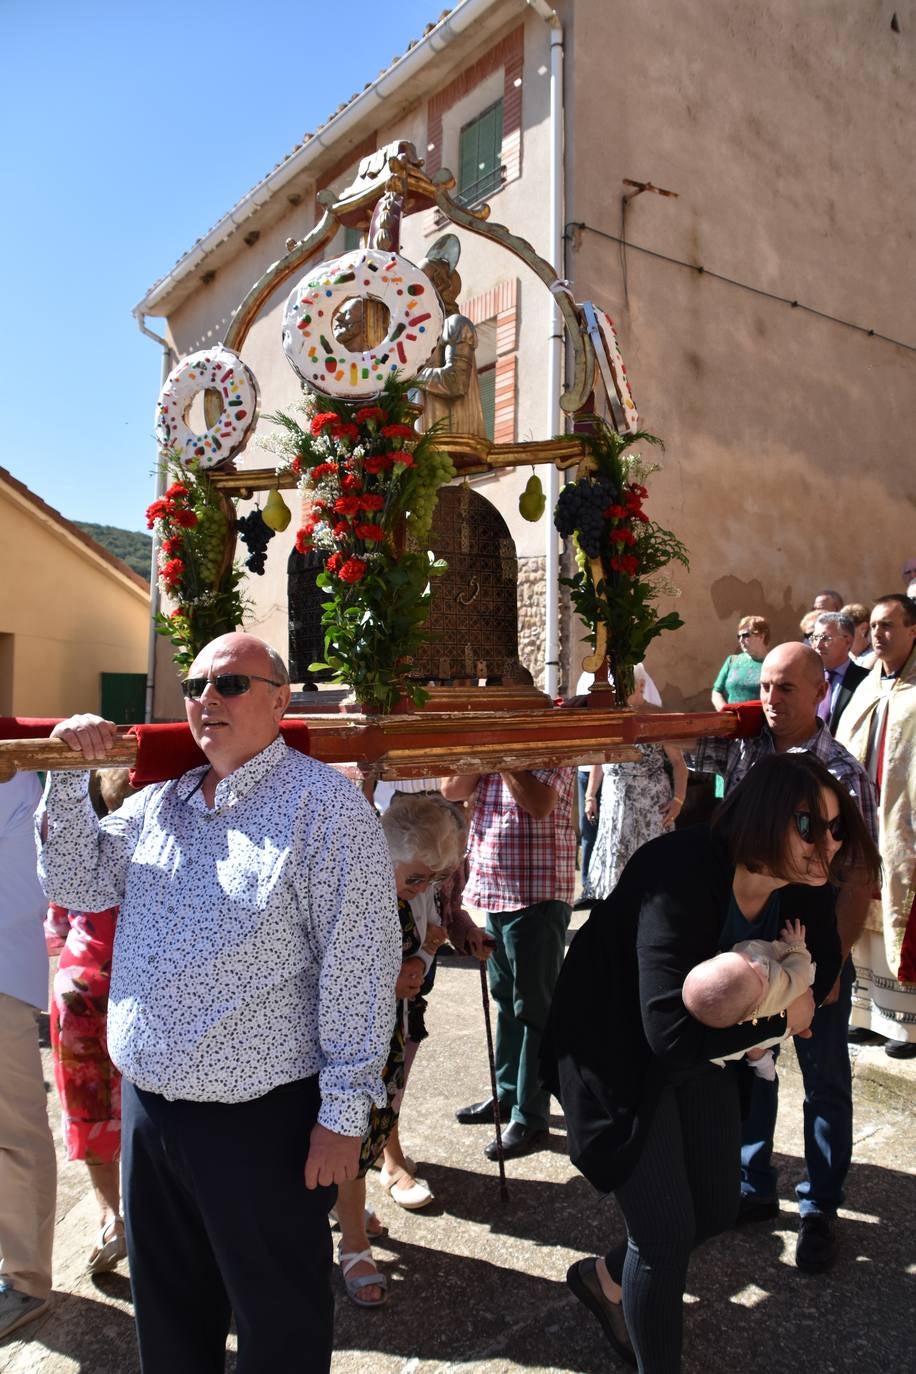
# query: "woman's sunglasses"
(226, 684)
(810, 828)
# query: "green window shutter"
(480, 155)
(487, 381)
(351, 238)
(123, 697)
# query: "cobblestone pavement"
(477, 1285)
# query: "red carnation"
(346, 431)
(399, 432)
(175, 490)
(346, 505)
(350, 483)
(622, 536)
(172, 545)
(322, 470)
(371, 501)
(354, 570)
(369, 531)
(334, 562)
(341, 530)
(304, 538)
(639, 515)
(378, 463)
(401, 456)
(367, 413)
(177, 614)
(296, 464)
(615, 513)
(321, 421)
(172, 572)
(185, 518)
(625, 563)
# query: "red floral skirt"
(88, 1083)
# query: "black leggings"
(685, 1187)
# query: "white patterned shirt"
(258, 942)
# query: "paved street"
(478, 1285)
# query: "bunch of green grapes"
(421, 494)
(210, 541)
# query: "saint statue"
(448, 386)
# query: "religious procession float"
(389, 417)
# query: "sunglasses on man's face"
(809, 827)
(226, 684)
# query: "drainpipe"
(154, 557)
(555, 422)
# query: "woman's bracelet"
(679, 800)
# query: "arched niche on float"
(473, 620)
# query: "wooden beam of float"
(438, 743)
(471, 454)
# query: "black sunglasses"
(227, 684)
(810, 827)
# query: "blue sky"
(114, 159)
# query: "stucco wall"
(787, 133)
(67, 616)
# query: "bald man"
(792, 686)
(251, 1009)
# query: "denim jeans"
(824, 1064)
(587, 829)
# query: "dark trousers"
(684, 1189)
(219, 1222)
(824, 1063)
(523, 970)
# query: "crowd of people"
(246, 952)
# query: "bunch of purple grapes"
(255, 535)
(579, 510)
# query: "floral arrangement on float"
(370, 486)
(620, 553)
(196, 569)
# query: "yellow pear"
(532, 501)
(276, 514)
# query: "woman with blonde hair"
(739, 676)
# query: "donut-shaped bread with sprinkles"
(414, 327)
(212, 369)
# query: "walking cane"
(503, 1190)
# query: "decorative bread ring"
(212, 369)
(414, 326)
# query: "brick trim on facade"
(509, 54)
(500, 303)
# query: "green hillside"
(130, 545)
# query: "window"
(480, 171)
(487, 380)
(351, 238)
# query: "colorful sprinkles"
(215, 369)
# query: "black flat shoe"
(479, 1113)
(517, 1140)
(900, 1049)
(582, 1279)
(750, 1210)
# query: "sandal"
(375, 1227)
(408, 1192)
(355, 1286)
(110, 1250)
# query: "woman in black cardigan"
(648, 1117)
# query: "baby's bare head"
(722, 991)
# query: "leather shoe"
(583, 1281)
(815, 1249)
(479, 1113)
(750, 1209)
(517, 1140)
(861, 1035)
(900, 1049)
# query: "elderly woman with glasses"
(427, 837)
